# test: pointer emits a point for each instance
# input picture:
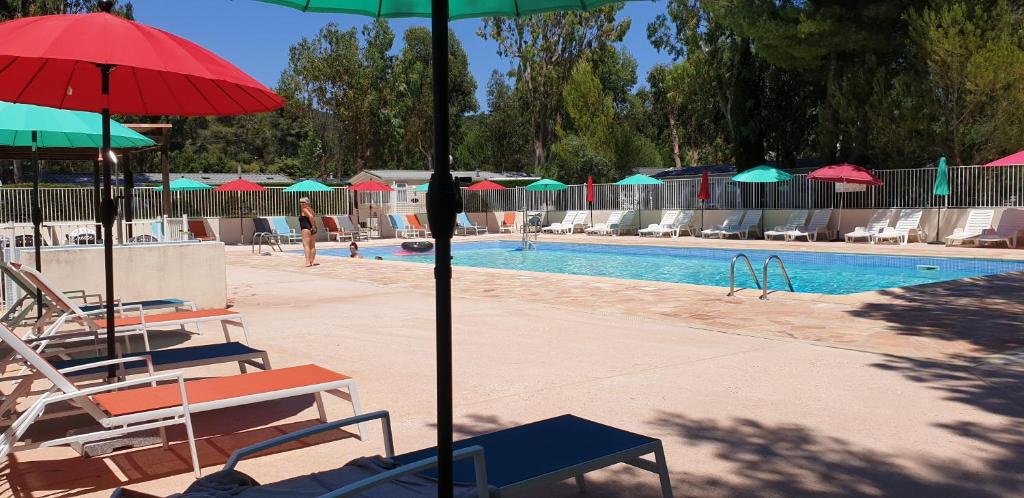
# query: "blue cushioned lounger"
(152, 304)
(176, 358)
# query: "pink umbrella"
(1010, 160)
(844, 173)
(370, 186)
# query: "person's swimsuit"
(304, 223)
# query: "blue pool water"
(812, 272)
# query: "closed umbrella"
(704, 194)
(844, 173)
(240, 185)
(441, 208)
(762, 174)
(101, 62)
(940, 189)
(639, 181)
(24, 125)
(590, 198)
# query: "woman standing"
(307, 223)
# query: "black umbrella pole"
(107, 218)
(37, 218)
(441, 214)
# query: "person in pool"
(307, 224)
(353, 250)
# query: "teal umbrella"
(546, 185)
(184, 185)
(940, 189)
(638, 181)
(762, 174)
(308, 186)
(422, 188)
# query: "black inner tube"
(419, 246)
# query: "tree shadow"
(986, 312)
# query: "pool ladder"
(764, 274)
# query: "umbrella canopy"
(546, 185)
(941, 178)
(184, 185)
(485, 185)
(240, 185)
(762, 174)
(457, 9)
(52, 61)
(1010, 160)
(422, 188)
(639, 180)
(61, 128)
(308, 186)
(590, 189)
(371, 186)
(705, 187)
(844, 173)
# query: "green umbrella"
(639, 180)
(184, 185)
(422, 188)
(762, 174)
(308, 186)
(457, 9)
(941, 189)
(546, 185)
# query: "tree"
(545, 49)
(498, 140)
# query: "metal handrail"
(764, 275)
(732, 273)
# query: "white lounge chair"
(563, 226)
(140, 404)
(817, 225)
(732, 220)
(1011, 226)
(626, 225)
(908, 225)
(579, 222)
(599, 228)
(796, 219)
(668, 219)
(978, 220)
(879, 220)
(751, 224)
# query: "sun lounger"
(613, 219)
(140, 404)
(797, 218)
(817, 225)
(197, 231)
(908, 225)
(978, 220)
(668, 220)
(878, 222)
(351, 229)
(751, 224)
(732, 220)
(563, 226)
(263, 233)
(400, 227)
(1010, 229)
(614, 226)
(462, 224)
(279, 227)
(579, 223)
(508, 223)
(413, 222)
(518, 461)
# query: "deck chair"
(599, 228)
(908, 225)
(279, 227)
(878, 222)
(67, 312)
(626, 224)
(668, 219)
(462, 224)
(816, 226)
(197, 231)
(515, 461)
(978, 221)
(732, 220)
(796, 219)
(1011, 226)
(263, 233)
(401, 229)
(413, 222)
(562, 226)
(331, 227)
(141, 404)
(579, 222)
(508, 222)
(751, 224)
(351, 229)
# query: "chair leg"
(666, 483)
(320, 407)
(357, 408)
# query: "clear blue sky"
(256, 36)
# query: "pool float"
(418, 246)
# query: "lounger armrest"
(474, 452)
(149, 379)
(381, 415)
(131, 308)
(82, 295)
(148, 359)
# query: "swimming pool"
(811, 272)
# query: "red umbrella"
(103, 63)
(1010, 160)
(370, 186)
(485, 185)
(844, 173)
(704, 195)
(240, 185)
(590, 198)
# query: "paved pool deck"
(915, 392)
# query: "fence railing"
(970, 186)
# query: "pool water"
(811, 272)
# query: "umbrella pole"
(37, 218)
(107, 219)
(241, 230)
(441, 213)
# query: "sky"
(256, 36)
